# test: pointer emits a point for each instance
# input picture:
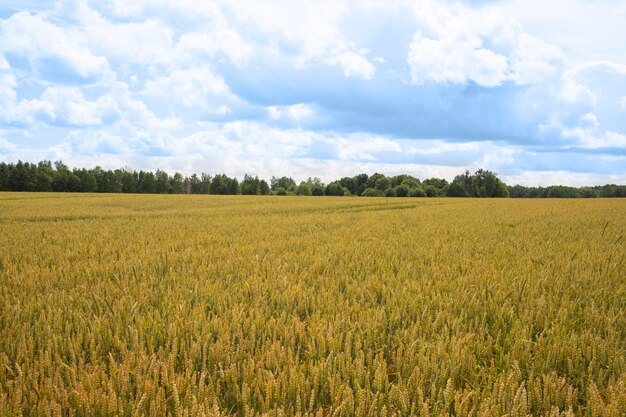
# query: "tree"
(317, 186)
(88, 182)
(360, 181)
(349, 183)
(417, 192)
(371, 180)
(487, 184)
(218, 185)
(285, 182)
(401, 190)
(431, 191)
(233, 186)
(177, 185)
(204, 185)
(411, 182)
(146, 182)
(264, 187)
(372, 192)
(65, 180)
(335, 189)
(162, 182)
(109, 183)
(250, 185)
(404, 179)
(191, 184)
(20, 177)
(456, 189)
(383, 183)
(128, 179)
(304, 189)
(4, 176)
(45, 176)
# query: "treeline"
(46, 176)
(562, 191)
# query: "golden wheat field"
(128, 305)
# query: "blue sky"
(533, 90)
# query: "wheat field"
(127, 305)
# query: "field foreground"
(217, 306)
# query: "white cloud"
(51, 51)
(308, 28)
(295, 112)
(456, 44)
(354, 65)
(202, 45)
(6, 147)
(365, 148)
(534, 60)
(135, 81)
(24, 111)
(585, 30)
(451, 61)
(194, 87)
(7, 85)
(70, 107)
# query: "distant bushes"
(561, 191)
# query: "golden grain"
(214, 306)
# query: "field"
(206, 305)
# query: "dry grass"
(206, 305)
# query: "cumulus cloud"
(274, 87)
(458, 45)
(193, 87)
(50, 51)
(354, 65)
(296, 112)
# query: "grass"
(217, 306)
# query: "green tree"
(250, 185)
(456, 189)
(349, 183)
(285, 182)
(317, 186)
(360, 181)
(218, 185)
(163, 185)
(177, 184)
(431, 191)
(401, 190)
(128, 179)
(383, 183)
(45, 176)
(4, 176)
(417, 192)
(264, 187)
(371, 180)
(334, 189)
(146, 182)
(372, 192)
(304, 189)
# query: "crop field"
(132, 305)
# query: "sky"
(534, 90)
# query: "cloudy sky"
(532, 89)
